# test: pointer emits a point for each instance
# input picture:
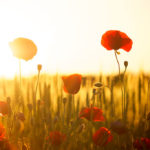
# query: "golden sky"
(68, 33)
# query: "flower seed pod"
(98, 84)
(39, 67)
(126, 64)
(64, 100)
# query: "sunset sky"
(68, 33)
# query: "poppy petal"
(115, 39)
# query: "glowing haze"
(68, 33)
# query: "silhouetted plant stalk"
(124, 86)
(115, 51)
(64, 103)
(20, 72)
(39, 67)
(73, 104)
(148, 94)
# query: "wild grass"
(51, 109)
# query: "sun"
(8, 64)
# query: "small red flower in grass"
(142, 144)
(119, 127)
(72, 83)
(114, 39)
(56, 138)
(2, 132)
(93, 113)
(102, 137)
(4, 108)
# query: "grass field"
(31, 118)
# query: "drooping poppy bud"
(126, 64)
(39, 67)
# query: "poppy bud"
(64, 100)
(98, 84)
(39, 67)
(126, 64)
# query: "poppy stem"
(73, 105)
(34, 101)
(37, 83)
(121, 82)
(20, 72)
(148, 95)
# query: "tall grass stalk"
(20, 72)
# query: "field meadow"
(35, 110)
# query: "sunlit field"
(28, 124)
(74, 75)
(65, 112)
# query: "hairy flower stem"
(121, 83)
(34, 100)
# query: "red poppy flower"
(2, 132)
(4, 108)
(115, 39)
(23, 48)
(119, 127)
(72, 83)
(102, 136)
(56, 138)
(142, 144)
(93, 113)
